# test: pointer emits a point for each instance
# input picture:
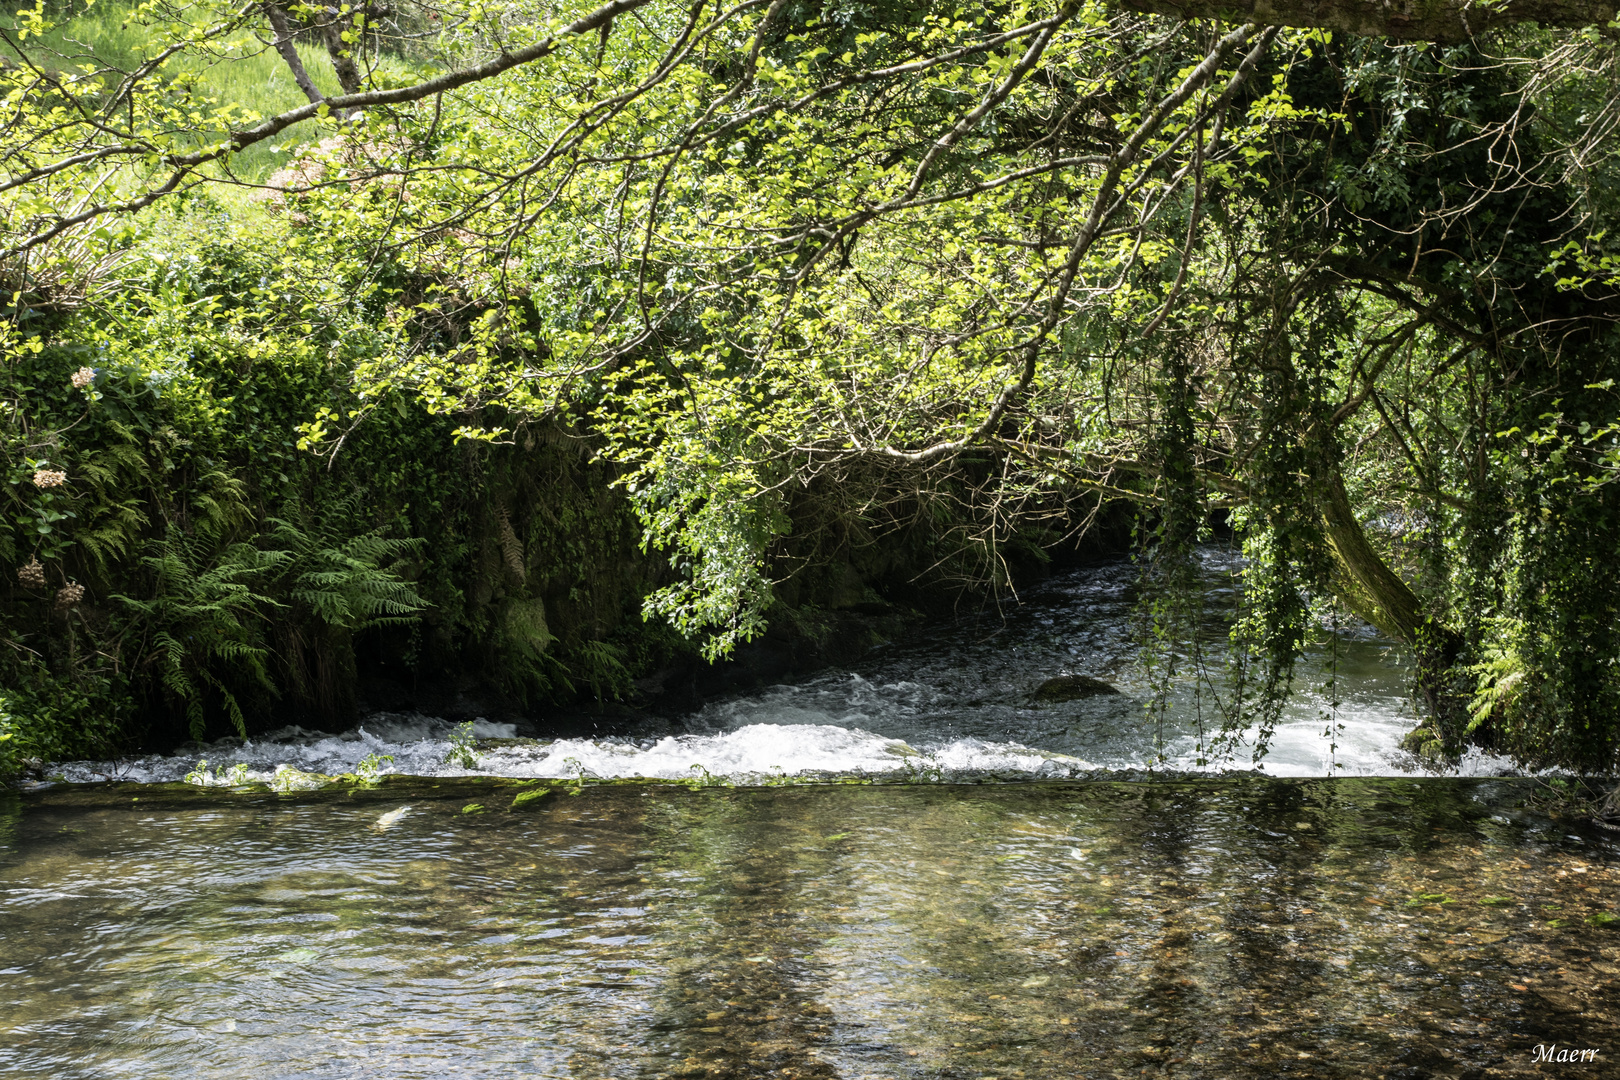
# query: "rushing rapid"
(964, 701)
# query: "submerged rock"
(390, 819)
(1071, 688)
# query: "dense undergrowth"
(179, 556)
(187, 560)
(192, 561)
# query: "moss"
(526, 799)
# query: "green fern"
(346, 582)
(111, 517)
(523, 641)
(205, 619)
(604, 669)
(220, 503)
(1501, 677)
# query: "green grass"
(243, 72)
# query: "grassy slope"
(256, 79)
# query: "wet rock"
(1424, 743)
(290, 778)
(1071, 688)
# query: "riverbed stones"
(1561, 1002)
(1071, 688)
(390, 819)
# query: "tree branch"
(1102, 208)
(1448, 21)
(289, 52)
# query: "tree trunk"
(1377, 594)
(284, 45)
(343, 46)
(1363, 581)
(1403, 20)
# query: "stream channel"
(914, 868)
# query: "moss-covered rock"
(1426, 745)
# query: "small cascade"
(1050, 689)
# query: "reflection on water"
(1236, 928)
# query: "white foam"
(969, 716)
(762, 745)
(753, 753)
(419, 746)
(759, 753)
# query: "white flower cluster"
(32, 575)
(83, 378)
(69, 595)
(49, 478)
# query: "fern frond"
(342, 580)
(511, 546)
(232, 709)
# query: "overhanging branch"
(1402, 20)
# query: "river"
(954, 704)
(909, 869)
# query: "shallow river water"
(911, 869)
(1249, 927)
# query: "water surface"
(1246, 927)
